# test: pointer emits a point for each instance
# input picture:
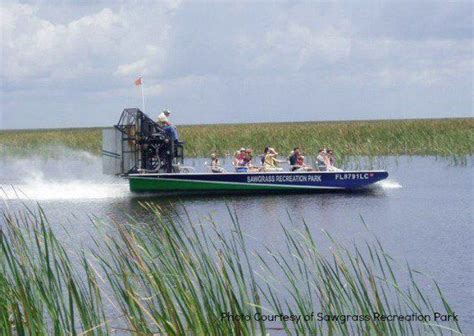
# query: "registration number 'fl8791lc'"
(353, 176)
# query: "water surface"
(422, 213)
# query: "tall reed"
(42, 291)
(444, 137)
(178, 277)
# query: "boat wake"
(75, 175)
(63, 190)
(389, 184)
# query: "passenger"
(247, 157)
(235, 158)
(331, 161)
(247, 160)
(215, 164)
(332, 157)
(322, 160)
(238, 157)
(294, 159)
(300, 160)
(270, 162)
(265, 151)
(301, 165)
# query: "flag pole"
(143, 95)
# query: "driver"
(169, 128)
(163, 117)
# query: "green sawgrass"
(443, 137)
(46, 142)
(176, 277)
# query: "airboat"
(151, 157)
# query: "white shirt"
(320, 159)
(162, 118)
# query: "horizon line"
(244, 123)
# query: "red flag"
(138, 81)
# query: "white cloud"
(407, 62)
(175, 86)
(168, 87)
(131, 69)
(296, 46)
(104, 42)
(306, 44)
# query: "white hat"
(166, 111)
(242, 149)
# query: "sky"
(73, 63)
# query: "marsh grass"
(440, 137)
(176, 277)
(372, 138)
(46, 142)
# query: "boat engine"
(137, 144)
